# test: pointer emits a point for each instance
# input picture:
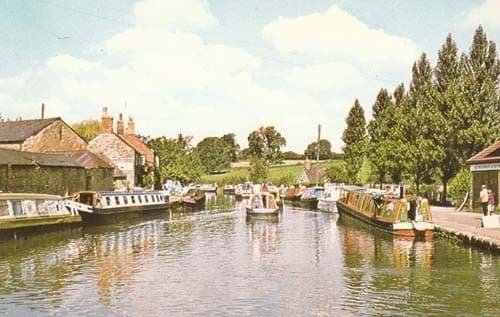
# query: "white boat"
(262, 204)
(95, 205)
(328, 203)
(20, 211)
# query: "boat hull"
(111, 215)
(262, 213)
(327, 206)
(309, 204)
(402, 230)
(11, 228)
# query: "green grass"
(277, 174)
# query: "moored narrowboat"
(409, 217)
(96, 205)
(262, 205)
(24, 212)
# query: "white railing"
(75, 208)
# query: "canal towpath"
(466, 226)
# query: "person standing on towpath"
(483, 196)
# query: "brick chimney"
(120, 126)
(131, 126)
(106, 121)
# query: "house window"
(4, 208)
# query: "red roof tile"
(490, 154)
(140, 147)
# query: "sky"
(210, 67)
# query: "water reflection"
(218, 262)
(263, 235)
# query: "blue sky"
(206, 68)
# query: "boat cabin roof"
(121, 193)
(28, 196)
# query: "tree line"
(426, 133)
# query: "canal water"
(218, 263)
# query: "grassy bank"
(287, 174)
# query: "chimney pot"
(120, 126)
(106, 121)
(131, 126)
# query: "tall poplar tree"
(449, 80)
(355, 140)
(420, 122)
(380, 135)
(481, 111)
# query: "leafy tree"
(449, 80)
(354, 137)
(366, 173)
(215, 154)
(337, 173)
(177, 160)
(481, 111)
(88, 129)
(259, 170)
(381, 130)
(290, 155)
(265, 143)
(230, 139)
(420, 121)
(325, 150)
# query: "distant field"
(291, 170)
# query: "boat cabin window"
(117, 200)
(132, 199)
(17, 208)
(125, 200)
(4, 208)
(257, 202)
(146, 199)
(140, 199)
(108, 201)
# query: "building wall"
(117, 152)
(56, 137)
(489, 178)
(54, 180)
(17, 146)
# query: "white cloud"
(486, 14)
(174, 80)
(335, 35)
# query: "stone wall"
(117, 152)
(57, 137)
(54, 180)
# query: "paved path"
(465, 226)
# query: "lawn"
(277, 174)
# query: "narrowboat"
(262, 205)
(408, 217)
(104, 205)
(25, 212)
(194, 199)
(244, 191)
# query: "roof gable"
(19, 131)
(490, 154)
(140, 147)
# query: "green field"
(277, 174)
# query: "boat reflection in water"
(263, 235)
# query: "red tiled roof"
(488, 155)
(140, 147)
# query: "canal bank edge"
(465, 227)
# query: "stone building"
(485, 168)
(44, 142)
(61, 174)
(40, 135)
(124, 150)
